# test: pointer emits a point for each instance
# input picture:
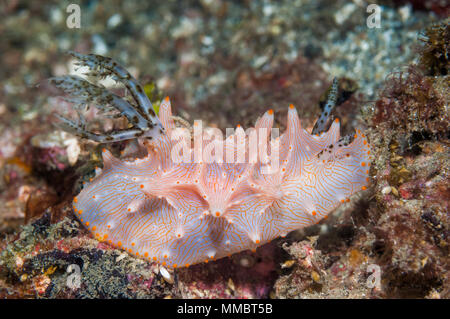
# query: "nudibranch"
(183, 213)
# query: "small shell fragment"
(166, 275)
